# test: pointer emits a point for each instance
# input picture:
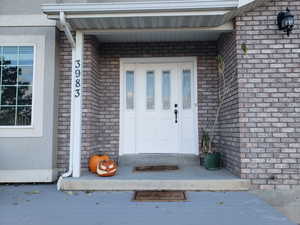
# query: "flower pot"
(212, 161)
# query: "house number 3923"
(77, 78)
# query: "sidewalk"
(43, 205)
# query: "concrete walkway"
(43, 205)
(286, 201)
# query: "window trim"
(38, 44)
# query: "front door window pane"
(150, 86)
(129, 90)
(186, 89)
(166, 89)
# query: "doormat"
(159, 196)
(158, 168)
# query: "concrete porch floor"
(190, 176)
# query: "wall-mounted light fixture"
(286, 21)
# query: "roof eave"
(132, 7)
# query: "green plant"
(205, 143)
(224, 88)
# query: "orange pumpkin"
(106, 168)
(94, 161)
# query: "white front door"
(158, 108)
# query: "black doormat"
(159, 196)
(157, 168)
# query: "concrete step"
(152, 184)
(190, 176)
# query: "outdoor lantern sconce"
(286, 21)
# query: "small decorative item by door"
(212, 161)
(107, 168)
(209, 158)
(94, 161)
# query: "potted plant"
(210, 158)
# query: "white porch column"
(76, 103)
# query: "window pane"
(150, 86)
(186, 89)
(9, 75)
(10, 55)
(16, 85)
(7, 116)
(166, 89)
(8, 95)
(25, 74)
(129, 89)
(26, 55)
(24, 95)
(24, 116)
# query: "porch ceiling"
(163, 35)
(171, 20)
(148, 14)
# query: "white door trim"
(124, 61)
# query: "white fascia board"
(117, 7)
(142, 14)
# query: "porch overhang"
(147, 14)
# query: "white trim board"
(26, 21)
(36, 128)
(116, 7)
(28, 176)
(151, 60)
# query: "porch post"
(76, 103)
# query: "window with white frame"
(16, 81)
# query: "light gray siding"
(8, 7)
(36, 152)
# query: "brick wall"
(91, 107)
(269, 97)
(229, 132)
(91, 122)
(101, 90)
(64, 104)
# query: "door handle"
(176, 113)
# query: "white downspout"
(66, 28)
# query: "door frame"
(149, 60)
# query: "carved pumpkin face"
(106, 168)
(94, 161)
